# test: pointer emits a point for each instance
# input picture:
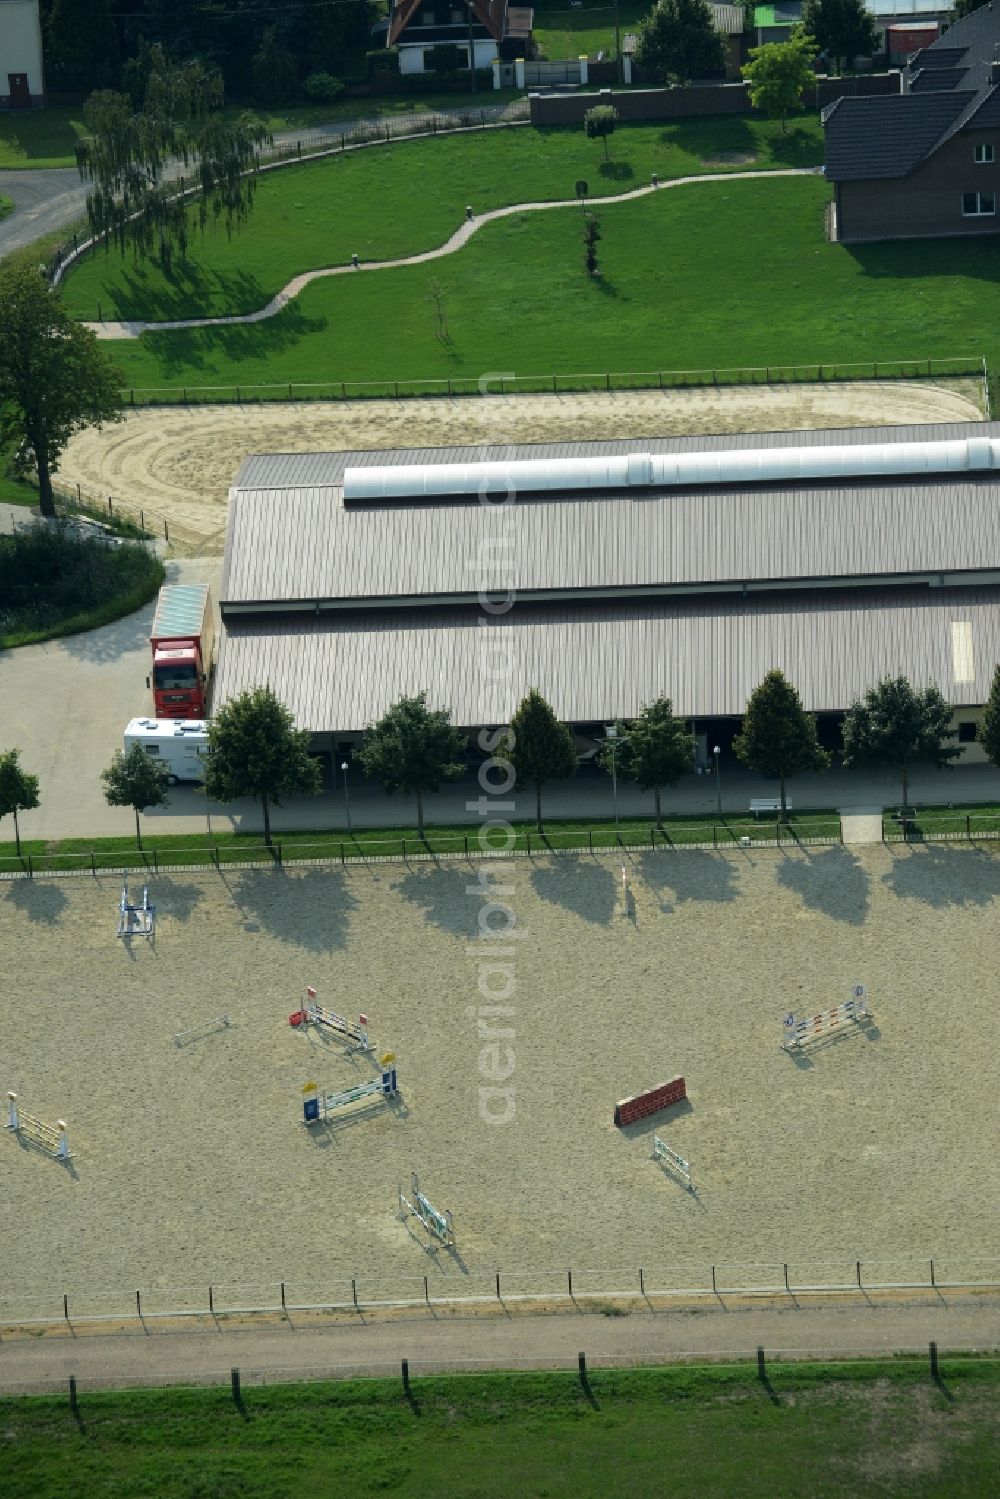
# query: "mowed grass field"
(390, 201)
(810, 1432)
(729, 274)
(589, 27)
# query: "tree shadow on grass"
(43, 903)
(941, 876)
(186, 350)
(617, 171)
(449, 896)
(834, 882)
(310, 910)
(140, 295)
(692, 874)
(796, 148)
(589, 890)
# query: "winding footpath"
(125, 330)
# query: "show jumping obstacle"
(801, 1032)
(135, 921)
(196, 1032)
(672, 1161)
(50, 1137)
(356, 1036)
(640, 1105)
(437, 1223)
(316, 1105)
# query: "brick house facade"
(924, 163)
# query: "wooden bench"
(759, 804)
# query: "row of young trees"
(256, 751)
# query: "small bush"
(383, 60)
(323, 87)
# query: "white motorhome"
(180, 744)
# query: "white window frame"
(979, 212)
(984, 155)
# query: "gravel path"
(461, 236)
(434, 1341)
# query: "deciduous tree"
(18, 791)
(134, 779)
(894, 725)
(130, 154)
(539, 746)
(81, 45)
(778, 72)
(777, 736)
(679, 40)
(254, 749)
(54, 376)
(988, 732)
(654, 750)
(413, 748)
(600, 123)
(844, 29)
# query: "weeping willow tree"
(142, 150)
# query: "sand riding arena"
(178, 462)
(191, 1164)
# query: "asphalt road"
(439, 1340)
(44, 200)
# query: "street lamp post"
(718, 779)
(611, 736)
(347, 795)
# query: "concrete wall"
(696, 99)
(927, 203)
(21, 47)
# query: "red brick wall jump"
(641, 1105)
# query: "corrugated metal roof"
(301, 470)
(593, 664)
(302, 545)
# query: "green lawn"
(560, 833)
(849, 1431)
(729, 274)
(410, 196)
(6, 207)
(40, 137)
(562, 32)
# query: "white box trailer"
(179, 744)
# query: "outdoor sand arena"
(191, 1165)
(180, 462)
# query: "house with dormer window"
(925, 162)
(488, 28)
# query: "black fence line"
(727, 835)
(575, 382)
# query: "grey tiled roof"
(887, 137)
(950, 86)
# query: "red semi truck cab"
(182, 641)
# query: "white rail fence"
(444, 1283)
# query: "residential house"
(925, 162)
(22, 84)
(487, 28)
